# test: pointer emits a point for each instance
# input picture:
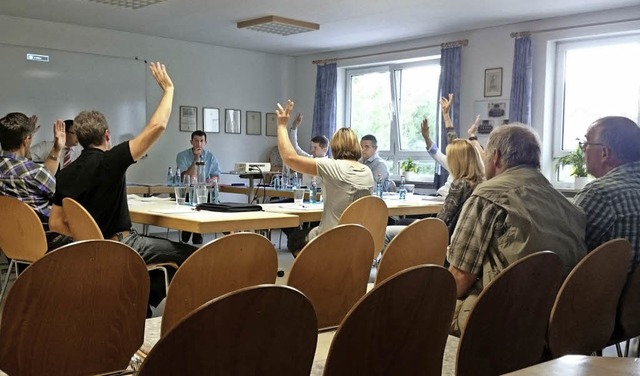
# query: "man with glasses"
(71, 151)
(612, 201)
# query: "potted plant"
(409, 169)
(578, 163)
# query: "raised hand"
(297, 121)
(284, 113)
(59, 135)
(445, 104)
(159, 72)
(474, 127)
(424, 128)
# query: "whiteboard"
(72, 82)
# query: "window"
(594, 78)
(390, 101)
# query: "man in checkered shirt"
(612, 201)
(514, 213)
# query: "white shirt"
(41, 150)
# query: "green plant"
(409, 166)
(576, 160)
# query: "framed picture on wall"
(211, 119)
(188, 118)
(271, 124)
(232, 121)
(254, 122)
(493, 82)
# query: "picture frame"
(188, 118)
(253, 122)
(271, 124)
(493, 82)
(232, 121)
(210, 120)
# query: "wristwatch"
(473, 138)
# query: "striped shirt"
(612, 206)
(27, 181)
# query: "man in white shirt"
(40, 151)
(371, 159)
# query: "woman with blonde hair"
(344, 179)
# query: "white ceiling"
(344, 24)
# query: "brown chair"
(332, 270)
(224, 265)
(422, 242)
(584, 314)
(628, 315)
(372, 213)
(259, 330)
(506, 328)
(79, 310)
(399, 328)
(22, 236)
(84, 227)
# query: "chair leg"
(6, 279)
(166, 280)
(618, 350)
(626, 349)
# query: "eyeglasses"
(583, 144)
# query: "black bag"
(229, 207)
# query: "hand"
(59, 135)
(424, 128)
(474, 127)
(297, 121)
(445, 104)
(161, 76)
(34, 120)
(283, 113)
(197, 152)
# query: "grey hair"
(620, 135)
(517, 144)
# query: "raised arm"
(59, 139)
(290, 157)
(293, 136)
(445, 105)
(141, 144)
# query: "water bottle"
(379, 186)
(402, 190)
(200, 172)
(170, 177)
(294, 182)
(177, 179)
(192, 190)
(313, 194)
(215, 193)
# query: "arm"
(214, 170)
(293, 136)
(59, 139)
(472, 135)
(58, 221)
(141, 144)
(445, 105)
(464, 281)
(289, 156)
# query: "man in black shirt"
(97, 181)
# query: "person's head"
(464, 161)
(16, 130)
(510, 146)
(345, 145)
(611, 141)
(198, 140)
(72, 138)
(92, 129)
(319, 145)
(369, 145)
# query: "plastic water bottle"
(402, 190)
(313, 194)
(170, 177)
(215, 192)
(177, 179)
(379, 186)
(192, 190)
(295, 183)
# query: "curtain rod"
(527, 33)
(456, 43)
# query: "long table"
(167, 214)
(578, 365)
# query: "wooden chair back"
(372, 213)
(628, 317)
(224, 265)
(22, 236)
(506, 329)
(258, 330)
(399, 328)
(81, 222)
(332, 270)
(583, 316)
(79, 310)
(422, 242)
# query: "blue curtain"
(520, 106)
(450, 73)
(325, 104)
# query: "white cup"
(298, 196)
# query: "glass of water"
(181, 194)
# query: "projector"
(256, 167)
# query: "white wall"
(203, 75)
(488, 48)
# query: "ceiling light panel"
(133, 4)
(278, 25)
